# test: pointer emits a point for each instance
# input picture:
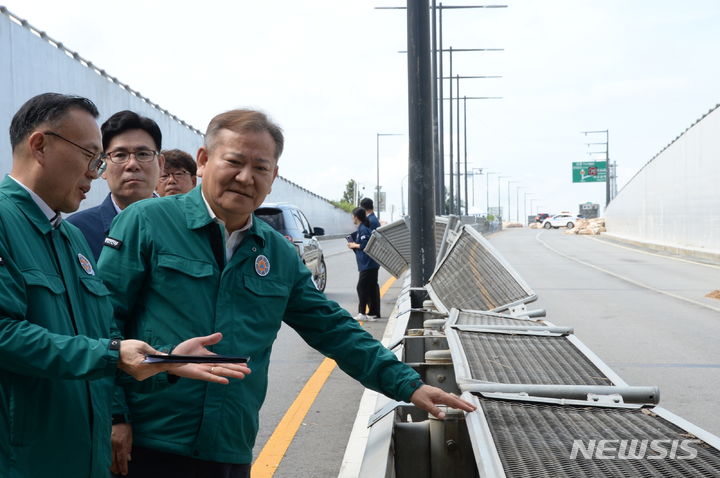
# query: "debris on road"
(588, 227)
(511, 224)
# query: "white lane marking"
(626, 279)
(610, 243)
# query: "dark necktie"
(217, 243)
(56, 220)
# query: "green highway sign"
(589, 172)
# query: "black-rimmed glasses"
(177, 175)
(122, 157)
(97, 162)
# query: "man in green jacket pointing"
(58, 357)
(201, 261)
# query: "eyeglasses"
(177, 176)
(97, 162)
(122, 157)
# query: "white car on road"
(560, 220)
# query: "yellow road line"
(274, 450)
(386, 286)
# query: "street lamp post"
(402, 194)
(437, 156)
(499, 207)
(377, 168)
(455, 178)
(437, 94)
(452, 178)
(452, 98)
(607, 160)
(532, 200)
(439, 89)
(517, 202)
(420, 150)
(479, 171)
(464, 148)
(358, 193)
(508, 197)
(487, 191)
(525, 214)
(457, 79)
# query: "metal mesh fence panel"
(537, 440)
(528, 359)
(385, 254)
(473, 277)
(398, 235)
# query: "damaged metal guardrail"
(547, 405)
(389, 245)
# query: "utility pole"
(487, 191)
(517, 202)
(499, 207)
(508, 197)
(437, 154)
(606, 132)
(421, 168)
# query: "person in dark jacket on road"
(367, 286)
(369, 207)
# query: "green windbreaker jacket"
(166, 284)
(56, 373)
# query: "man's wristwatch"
(115, 344)
(119, 418)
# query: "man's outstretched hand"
(206, 371)
(427, 397)
(133, 352)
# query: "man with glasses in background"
(132, 144)
(179, 175)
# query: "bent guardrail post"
(517, 329)
(647, 395)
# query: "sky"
(333, 75)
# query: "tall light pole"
(508, 197)
(420, 149)
(377, 170)
(532, 200)
(525, 214)
(499, 207)
(437, 50)
(479, 171)
(465, 98)
(517, 202)
(453, 98)
(487, 191)
(359, 192)
(402, 194)
(457, 79)
(455, 189)
(607, 159)
(437, 155)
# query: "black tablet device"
(195, 359)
